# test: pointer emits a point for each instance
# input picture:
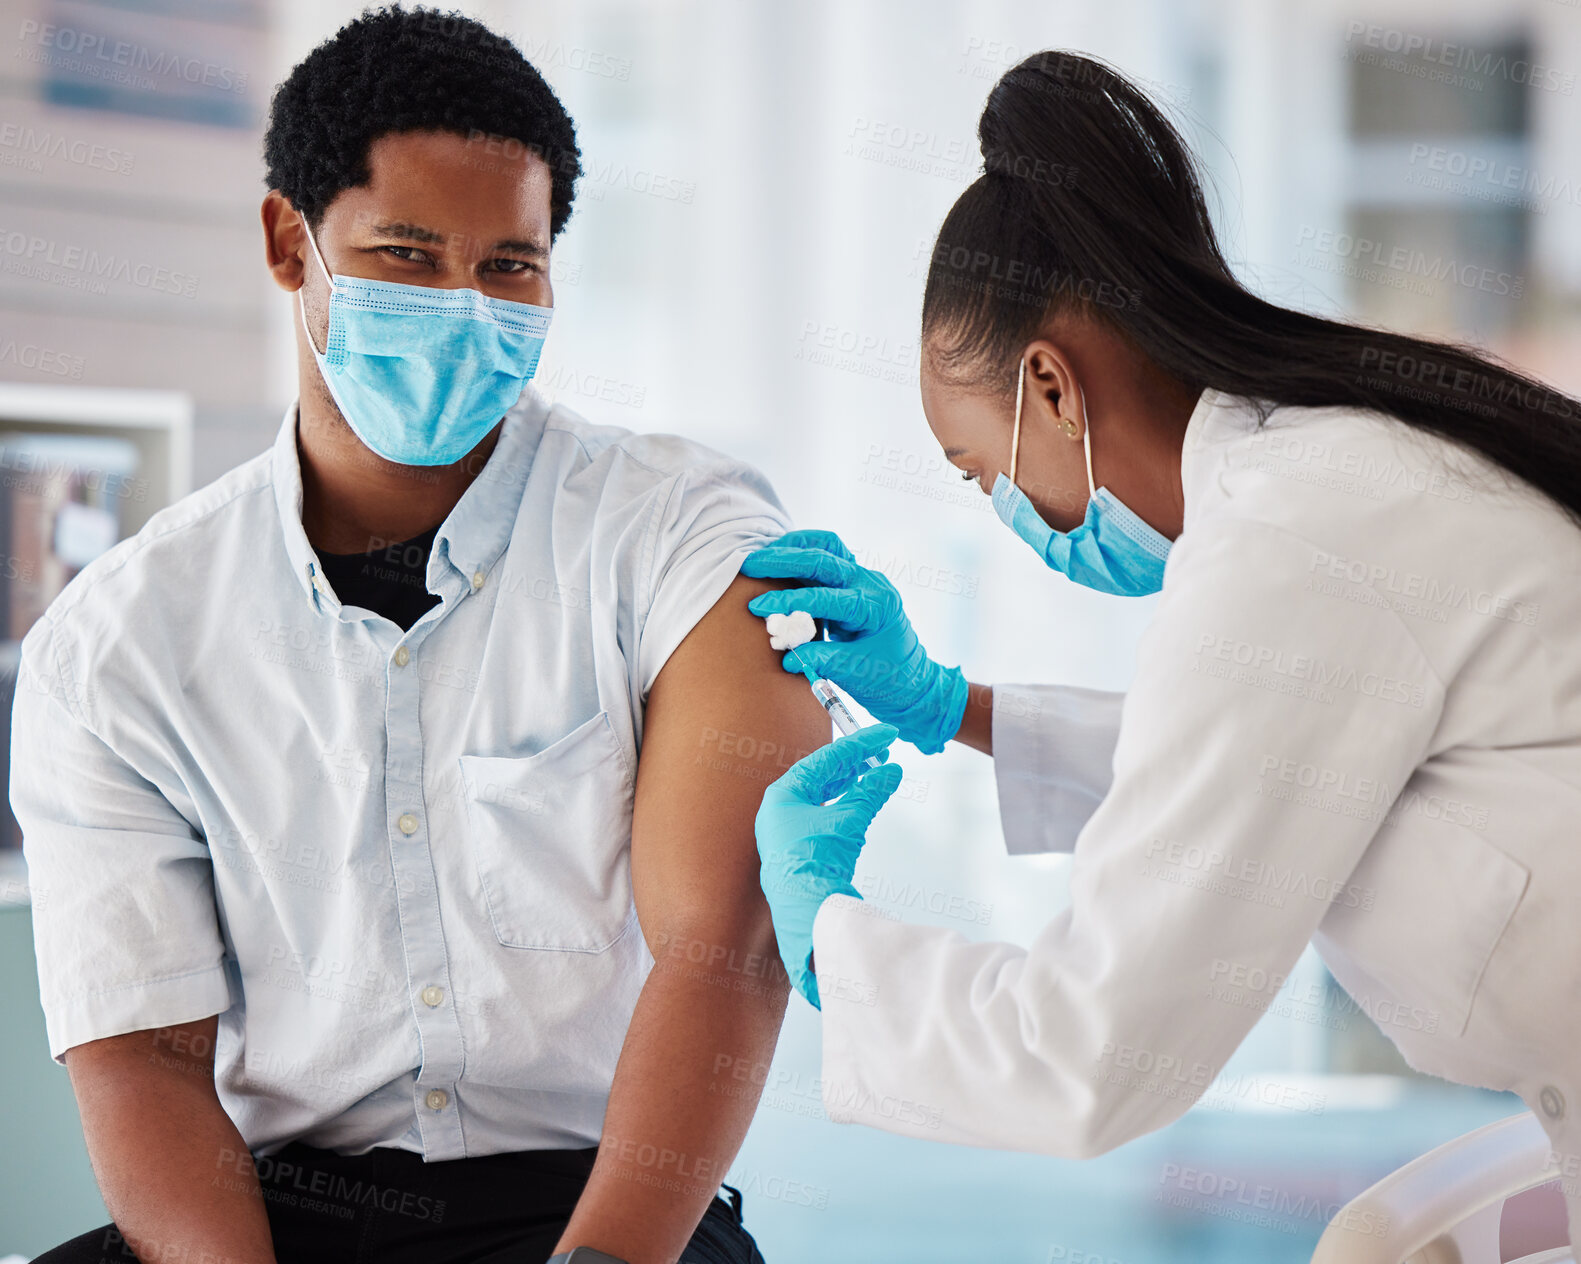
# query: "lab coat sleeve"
(1053, 761)
(122, 887)
(1206, 863)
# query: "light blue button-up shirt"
(396, 864)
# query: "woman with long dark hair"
(1356, 714)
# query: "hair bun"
(1020, 127)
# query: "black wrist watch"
(584, 1255)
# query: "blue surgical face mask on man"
(423, 374)
(1112, 551)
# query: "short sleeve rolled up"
(713, 516)
(124, 921)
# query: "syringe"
(824, 690)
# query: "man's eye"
(513, 267)
(411, 254)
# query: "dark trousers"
(390, 1207)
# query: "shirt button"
(477, 580)
(1552, 1101)
(402, 656)
(432, 995)
(407, 823)
(436, 1099)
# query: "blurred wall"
(130, 180)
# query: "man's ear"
(284, 241)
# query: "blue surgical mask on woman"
(1112, 551)
(422, 374)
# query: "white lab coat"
(1355, 720)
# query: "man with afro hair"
(390, 800)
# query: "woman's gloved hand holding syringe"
(872, 652)
(808, 845)
(789, 632)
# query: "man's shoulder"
(178, 550)
(653, 456)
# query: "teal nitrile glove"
(808, 846)
(872, 653)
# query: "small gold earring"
(1069, 426)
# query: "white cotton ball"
(787, 631)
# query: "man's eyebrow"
(410, 232)
(416, 232)
(517, 246)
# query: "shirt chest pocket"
(551, 835)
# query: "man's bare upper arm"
(123, 1082)
(185, 1050)
(723, 720)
